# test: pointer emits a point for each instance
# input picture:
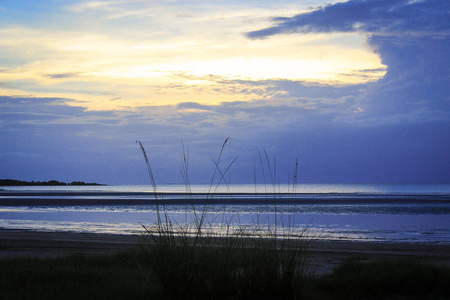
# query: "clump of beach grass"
(198, 260)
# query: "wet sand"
(324, 254)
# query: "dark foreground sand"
(325, 254)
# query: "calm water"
(383, 213)
(416, 189)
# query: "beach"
(325, 255)
(356, 223)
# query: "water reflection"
(345, 223)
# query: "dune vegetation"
(134, 275)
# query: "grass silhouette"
(201, 260)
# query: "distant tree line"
(13, 182)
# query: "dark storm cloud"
(417, 80)
(371, 16)
(411, 38)
(400, 128)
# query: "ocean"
(406, 213)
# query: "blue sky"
(357, 91)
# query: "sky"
(355, 92)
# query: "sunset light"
(327, 81)
(100, 68)
(238, 149)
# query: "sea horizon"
(320, 188)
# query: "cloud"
(61, 75)
(416, 79)
(396, 129)
(71, 143)
(398, 17)
(411, 37)
(93, 49)
(66, 135)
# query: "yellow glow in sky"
(208, 60)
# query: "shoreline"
(325, 255)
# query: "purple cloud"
(370, 16)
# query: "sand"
(324, 254)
